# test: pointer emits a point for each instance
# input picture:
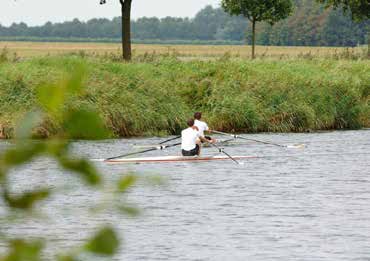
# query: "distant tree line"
(313, 25)
(310, 24)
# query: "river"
(288, 204)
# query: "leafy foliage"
(26, 200)
(21, 250)
(125, 182)
(21, 154)
(360, 9)
(105, 242)
(81, 167)
(256, 10)
(83, 124)
(52, 100)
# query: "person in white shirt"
(190, 140)
(202, 126)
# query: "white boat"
(163, 159)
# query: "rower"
(202, 126)
(190, 140)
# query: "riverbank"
(156, 94)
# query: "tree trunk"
(253, 38)
(368, 42)
(126, 29)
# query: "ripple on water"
(310, 204)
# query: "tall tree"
(360, 11)
(270, 11)
(126, 27)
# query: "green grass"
(157, 94)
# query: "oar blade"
(97, 160)
(296, 146)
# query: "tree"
(126, 27)
(255, 11)
(208, 20)
(359, 9)
(146, 28)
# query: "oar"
(156, 145)
(227, 154)
(225, 141)
(143, 151)
(175, 138)
(260, 141)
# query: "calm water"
(289, 204)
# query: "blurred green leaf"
(130, 211)
(2, 175)
(105, 242)
(125, 182)
(67, 258)
(84, 124)
(75, 82)
(51, 96)
(21, 250)
(25, 200)
(21, 154)
(24, 127)
(83, 167)
(57, 147)
(155, 181)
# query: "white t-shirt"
(202, 126)
(189, 138)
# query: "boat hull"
(168, 159)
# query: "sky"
(38, 12)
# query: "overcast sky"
(37, 12)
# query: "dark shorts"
(192, 152)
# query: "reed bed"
(155, 94)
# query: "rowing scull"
(165, 159)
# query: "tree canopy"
(360, 9)
(270, 11)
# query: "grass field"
(32, 49)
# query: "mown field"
(157, 93)
(32, 49)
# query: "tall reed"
(156, 94)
